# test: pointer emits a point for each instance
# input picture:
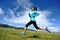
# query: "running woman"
(32, 16)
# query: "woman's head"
(34, 8)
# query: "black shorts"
(32, 22)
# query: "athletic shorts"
(32, 22)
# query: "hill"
(13, 34)
(6, 26)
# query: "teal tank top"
(32, 15)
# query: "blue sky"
(15, 12)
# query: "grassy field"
(13, 34)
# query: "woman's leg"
(35, 25)
(26, 26)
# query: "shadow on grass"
(34, 36)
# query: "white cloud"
(1, 11)
(24, 3)
(24, 12)
(5, 18)
(21, 19)
(16, 8)
(54, 29)
(11, 12)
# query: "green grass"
(13, 34)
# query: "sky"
(15, 13)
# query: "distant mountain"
(6, 26)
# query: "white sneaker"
(22, 33)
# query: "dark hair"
(35, 8)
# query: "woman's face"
(32, 9)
